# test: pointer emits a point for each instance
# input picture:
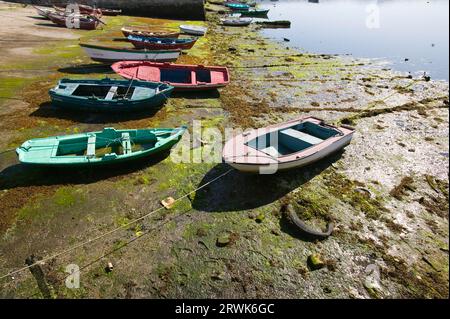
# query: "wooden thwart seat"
(90, 152)
(112, 93)
(126, 143)
(302, 136)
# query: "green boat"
(98, 148)
(253, 12)
(109, 95)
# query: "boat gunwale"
(296, 156)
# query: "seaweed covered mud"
(386, 194)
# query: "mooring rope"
(89, 241)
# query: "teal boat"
(253, 12)
(237, 6)
(109, 95)
(98, 148)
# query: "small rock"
(218, 276)
(251, 215)
(168, 202)
(327, 290)
(260, 218)
(109, 267)
(226, 239)
(275, 232)
(315, 262)
(201, 232)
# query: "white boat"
(285, 146)
(44, 12)
(193, 29)
(113, 54)
(237, 21)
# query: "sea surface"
(411, 35)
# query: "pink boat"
(181, 76)
(285, 146)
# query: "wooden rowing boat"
(182, 77)
(149, 32)
(82, 9)
(110, 12)
(253, 12)
(236, 22)
(44, 12)
(109, 54)
(140, 42)
(193, 29)
(101, 148)
(237, 6)
(285, 146)
(74, 21)
(109, 95)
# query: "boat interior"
(103, 92)
(184, 76)
(292, 139)
(108, 143)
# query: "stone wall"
(176, 9)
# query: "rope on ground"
(89, 241)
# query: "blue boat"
(109, 95)
(141, 42)
(238, 6)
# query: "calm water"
(395, 30)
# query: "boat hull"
(111, 55)
(84, 23)
(139, 95)
(52, 144)
(300, 142)
(147, 71)
(256, 169)
(141, 32)
(193, 31)
(154, 45)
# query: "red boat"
(149, 32)
(161, 43)
(182, 77)
(83, 9)
(86, 22)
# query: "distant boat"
(112, 54)
(193, 29)
(109, 95)
(110, 12)
(254, 12)
(237, 6)
(161, 43)
(182, 77)
(85, 22)
(44, 12)
(237, 22)
(82, 9)
(294, 144)
(149, 32)
(101, 148)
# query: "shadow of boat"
(38, 18)
(91, 68)
(239, 191)
(20, 175)
(47, 110)
(49, 24)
